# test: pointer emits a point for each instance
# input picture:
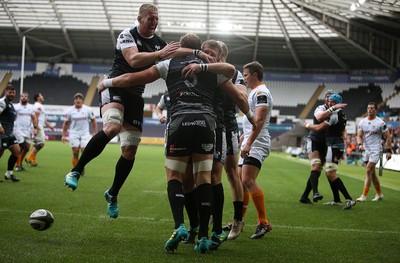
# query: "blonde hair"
(143, 9)
(224, 48)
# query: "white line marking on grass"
(306, 162)
(338, 229)
(146, 219)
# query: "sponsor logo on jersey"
(136, 122)
(262, 98)
(125, 41)
(117, 98)
(187, 94)
(200, 123)
(207, 146)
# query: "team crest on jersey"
(139, 43)
(157, 47)
(191, 82)
(262, 98)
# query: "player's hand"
(64, 139)
(51, 128)
(245, 151)
(209, 59)
(101, 87)
(169, 50)
(190, 70)
(162, 119)
(361, 148)
(305, 124)
(388, 156)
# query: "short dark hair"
(36, 96)
(373, 103)
(9, 87)
(255, 67)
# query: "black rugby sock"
(340, 185)
(238, 207)
(122, 170)
(314, 176)
(12, 160)
(335, 192)
(191, 202)
(218, 206)
(205, 194)
(95, 146)
(176, 201)
(307, 190)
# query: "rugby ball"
(41, 219)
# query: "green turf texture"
(82, 231)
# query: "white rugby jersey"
(24, 116)
(260, 96)
(373, 130)
(125, 40)
(79, 119)
(38, 107)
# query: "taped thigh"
(329, 167)
(315, 161)
(202, 166)
(176, 165)
(129, 138)
(113, 115)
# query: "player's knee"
(130, 138)
(175, 165)
(39, 146)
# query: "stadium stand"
(56, 90)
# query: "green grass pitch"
(82, 232)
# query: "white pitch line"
(306, 162)
(146, 219)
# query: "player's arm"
(259, 119)
(323, 115)
(138, 59)
(159, 110)
(317, 127)
(48, 125)
(34, 121)
(2, 107)
(388, 148)
(94, 126)
(360, 140)
(130, 80)
(65, 130)
(183, 51)
(239, 98)
(225, 69)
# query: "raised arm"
(317, 127)
(130, 80)
(323, 115)
(138, 59)
(221, 68)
